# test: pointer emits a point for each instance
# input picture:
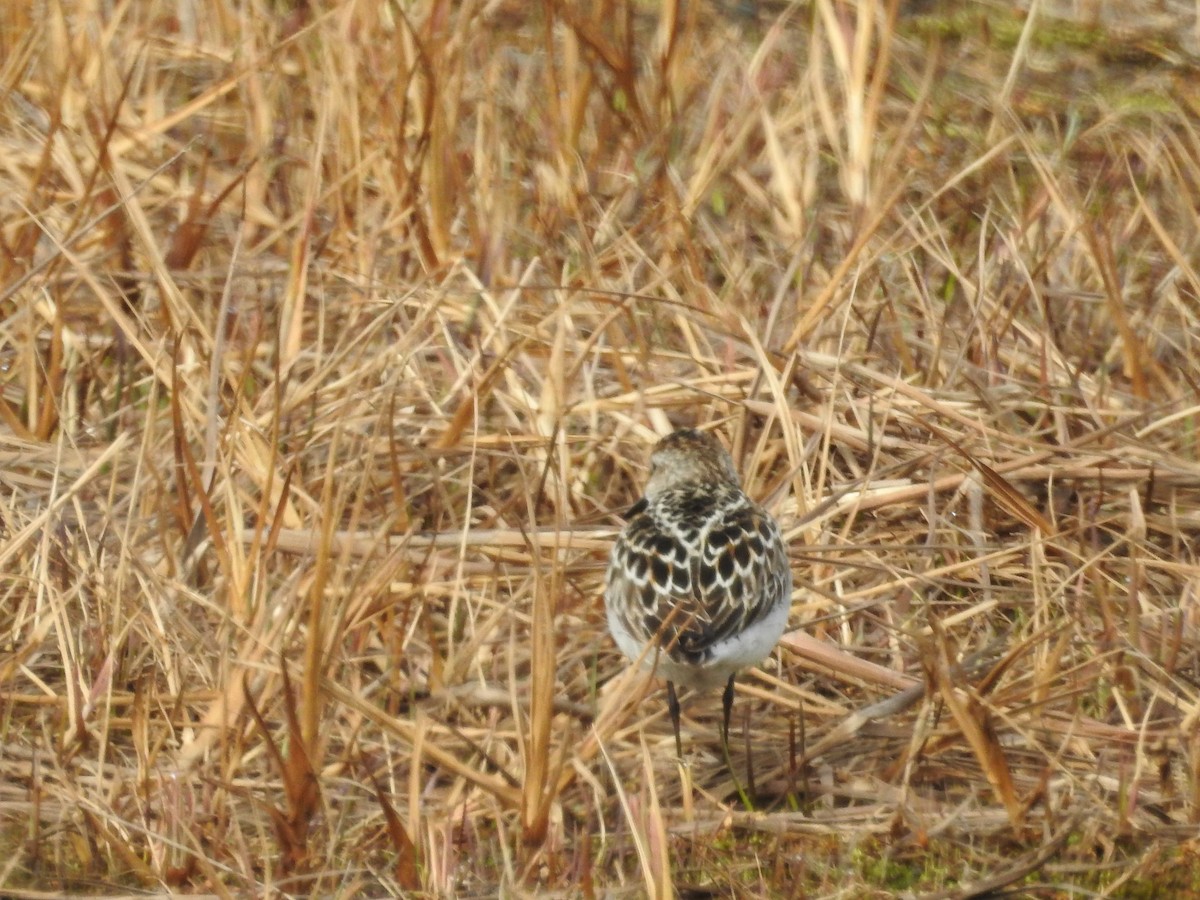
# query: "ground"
(335, 336)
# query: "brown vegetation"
(334, 337)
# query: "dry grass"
(333, 338)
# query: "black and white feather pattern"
(700, 574)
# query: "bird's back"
(701, 570)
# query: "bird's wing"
(691, 594)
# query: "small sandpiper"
(700, 571)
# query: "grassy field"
(333, 339)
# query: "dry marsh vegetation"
(334, 337)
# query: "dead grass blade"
(193, 485)
(643, 815)
(301, 786)
(407, 870)
(974, 720)
(541, 772)
(1002, 491)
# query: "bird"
(698, 584)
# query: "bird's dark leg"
(727, 708)
(673, 709)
